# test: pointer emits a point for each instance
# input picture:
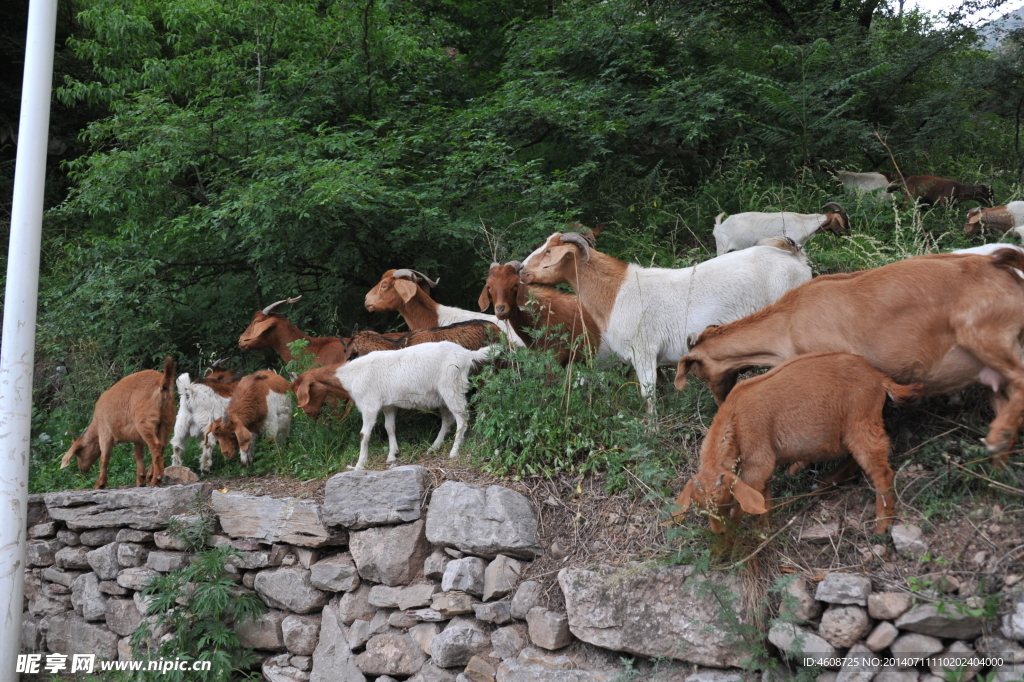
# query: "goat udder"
(990, 378)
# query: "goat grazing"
(139, 409)
(865, 183)
(543, 321)
(932, 191)
(999, 218)
(743, 230)
(314, 386)
(259, 404)
(646, 314)
(428, 376)
(812, 408)
(944, 320)
(408, 292)
(200, 403)
(270, 330)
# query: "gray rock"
(907, 647)
(431, 673)
(355, 605)
(501, 577)
(518, 670)
(884, 634)
(715, 676)
(1008, 673)
(548, 629)
(860, 665)
(798, 602)
(43, 530)
(424, 634)
(269, 519)
(166, 562)
(509, 641)
(844, 588)
(300, 633)
(140, 508)
(42, 552)
(86, 598)
(434, 565)
(842, 626)
(333, 660)
(302, 662)
(458, 643)
(402, 620)
(479, 670)
(466, 575)
(59, 576)
(130, 554)
(362, 630)
(305, 556)
(98, 537)
(33, 633)
(415, 596)
(888, 605)
(104, 561)
(800, 643)
(361, 499)
(279, 669)
(1013, 622)
(483, 521)
(926, 620)
(1010, 651)
(384, 597)
(165, 539)
(391, 653)
(428, 615)
(36, 512)
(909, 540)
(658, 612)
(122, 616)
(69, 537)
(389, 554)
(49, 605)
(289, 587)
(135, 578)
(263, 632)
(73, 557)
(253, 560)
(896, 675)
(69, 633)
(527, 596)
(452, 604)
(335, 574)
(951, 672)
(132, 535)
(497, 612)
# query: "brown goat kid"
(270, 330)
(138, 409)
(812, 408)
(259, 404)
(313, 387)
(544, 321)
(471, 334)
(946, 321)
(933, 190)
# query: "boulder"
(415, 596)
(843, 626)
(479, 670)
(165, 539)
(390, 555)
(300, 633)
(663, 611)
(104, 561)
(431, 673)
(798, 602)
(800, 643)
(1013, 622)
(527, 668)
(908, 647)
(140, 508)
(926, 620)
(362, 631)
(42, 552)
(501, 577)
(59, 576)
(466, 575)
(69, 633)
(132, 535)
(130, 554)
(263, 631)
(69, 537)
(289, 587)
(43, 530)
(269, 519)
(86, 598)
(122, 616)
(424, 634)
(135, 578)
(335, 574)
(458, 643)
(361, 499)
(452, 604)
(888, 605)
(279, 669)
(1011, 652)
(844, 588)
(884, 634)
(402, 620)
(98, 537)
(527, 596)
(384, 597)
(497, 612)
(860, 665)
(73, 557)
(391, 653)
(434, 565)
(909, 540)
(166, 562)
(482, 521)
(36, 512)
(945, 666)
(548, 629)
(355, 605)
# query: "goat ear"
(244, 437)
(522, 294)
(405, 289)
(66, 460)
(684, 498)
(293, 377)
(750, 500)
(485, 299)
(683, 368)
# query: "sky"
(933, 6)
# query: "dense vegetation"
(223, 155)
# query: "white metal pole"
(17, 353)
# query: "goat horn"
(218, 364)
(287, 301)
(516, 265)
(406, 273)
(832, 206)
(579, 241)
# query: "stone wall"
(388, 579)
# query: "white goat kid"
(743, 230)
(428, 376)
(199, 405)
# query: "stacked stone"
(89, 553)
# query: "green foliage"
(197, 527)
(202, 625)
(302, 360)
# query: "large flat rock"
(482, 521)
(70, 634)
(140, 508)
(658, 612)
(269, 519)
(360, 499)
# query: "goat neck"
(597, 282)
(420, 311)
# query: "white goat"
(200, 403)
(428, 376)
(865, 183)
(743, 230)
(646, 315)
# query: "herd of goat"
(838, 344)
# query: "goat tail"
(1008, 259)
(784, 243)
(901, 393)
(169, 369)
(718, 218)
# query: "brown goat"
(932, 190)
(945, 320)
(811, 408)
(270, 330)
(138, 409)
(540, 315)
(259, 404)
(368, 341)
(313, 387)
(1002, 219)
(471, 334)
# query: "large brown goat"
(811, 408)
(946, 321)
(933, 190)
(270, 330)
(313, 387)
(138, 409)
(540, 315)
